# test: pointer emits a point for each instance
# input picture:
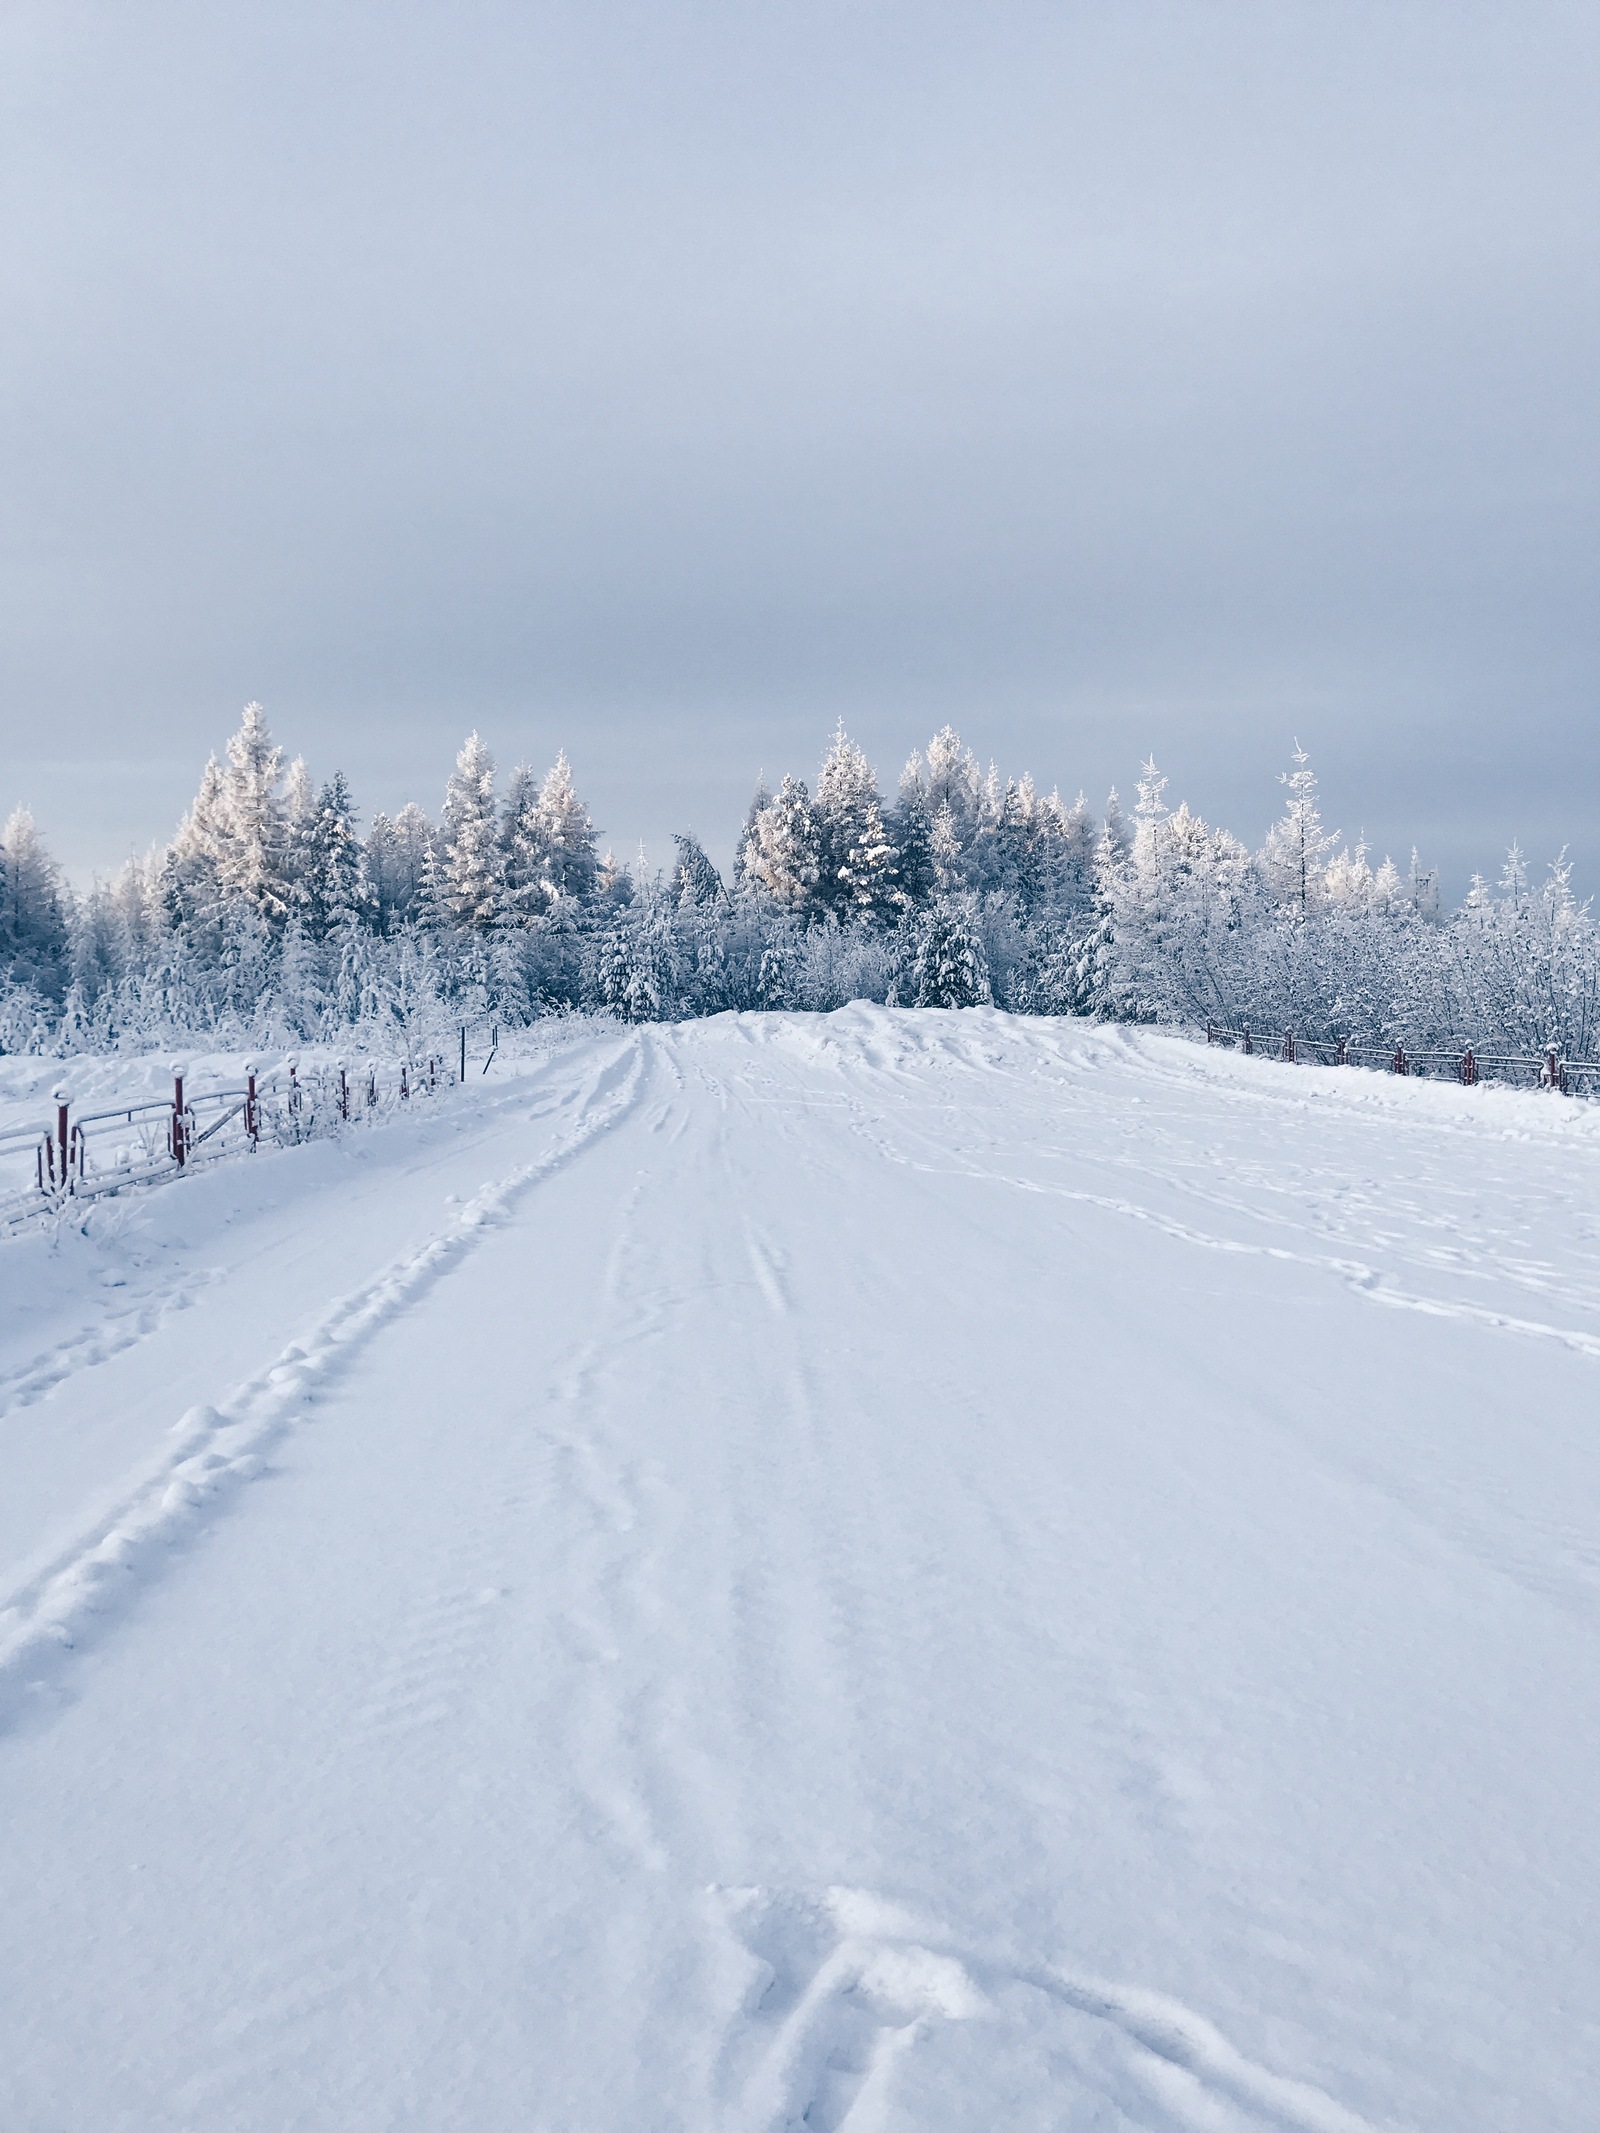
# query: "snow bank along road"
(880, 1571)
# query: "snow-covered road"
(892, 1570)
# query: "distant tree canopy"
(270, 916)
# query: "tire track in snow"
(224, 1445)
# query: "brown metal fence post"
(1469, 1068)
(1398, 1064)
(1247, 1046)
(405, 1087)
(250, 1128)
(63, 1098)
(1288, 1046)
(180, 1138)
(1344, 1051)
(344, 1093)
(1550, 1071)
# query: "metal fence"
(84, 1155)
(1549, 1069)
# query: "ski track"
(221, 1445)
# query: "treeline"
(270, 918)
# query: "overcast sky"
(663, 382)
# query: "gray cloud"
(663, 382)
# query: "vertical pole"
(405, 1087)
(1397, 1064)
(1247, 1046)
(1469, 1068)
(1550, 1080)
(180, 1139)
(463, 1051)
(344, 1093)
(250, 1101)
(1344, 1051)
(63, 1137)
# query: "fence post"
(1398, 1065)
(405, 1086)
(1344, 1050)
(180, 1137)
(372, 1087)
(1550, 1080)
(1288, 1046)
(250, 1101)
(463, 1052)
(1247, 1046)
(1469, 1068)
(63, 1098)
(344, 1092)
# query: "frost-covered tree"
(469, 868)
(33, 910)
(948, 965)
(334, 890)
(857, 872)
(782, 852)
(1294, 859)
(250, 855)
(636, 969)
(695, 881)
(547, 843)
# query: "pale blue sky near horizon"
(664, 383)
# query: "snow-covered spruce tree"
(33, 911)
(948, 966)
(1294, 859)
(396, 853)
(695, 881)
(467, 873)
(547, 842)
(334, 891)
(782, 850)
(910, 827)
(249, 823)
(635, 969)
(857, 870)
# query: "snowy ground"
(880, 1571)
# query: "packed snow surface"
(902, 1571)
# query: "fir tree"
(855, 857)
(1295, 855)
(469, 870)
(949, 967)
(33, 910)
(695, 881)
(782, 853)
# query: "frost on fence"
(46, 1166)
(1547, 1069)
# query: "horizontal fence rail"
(1549, 1069)
(47, 1166)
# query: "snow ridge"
(220, 1446)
